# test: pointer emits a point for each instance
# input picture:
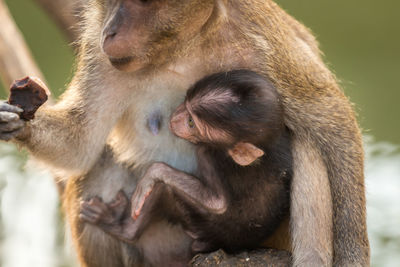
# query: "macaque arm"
(157, 187)
(114, 218)
(71, 134)
(207, 196)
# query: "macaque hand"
(11, 125)
(96, 212)
(146, 185)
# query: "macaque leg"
(207, 196)
(114, 217)
(156, 188)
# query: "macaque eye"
(191, 122)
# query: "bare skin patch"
(154, 122)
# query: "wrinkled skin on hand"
(11, 125)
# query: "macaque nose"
(109, 34)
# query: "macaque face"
(183, 125)
(138, 33)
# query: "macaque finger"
(11, 126)
(95, 201)
(89, 217)
(7, 136)
(98, 204)
(94, 207)
(120, 200)
(4, 106)
(88, 211)
(6, 116)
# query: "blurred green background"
(361, 41)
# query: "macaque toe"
(138, 200)
(137, 206)
(95, 201)
(136, 214)
(89, 216)
(120, 200)
(98, 208)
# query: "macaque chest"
(142, 136)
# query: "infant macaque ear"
(245, 153)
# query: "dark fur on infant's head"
(242, 103)
(238, 111)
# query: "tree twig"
(16, 60)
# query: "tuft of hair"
(241, 102)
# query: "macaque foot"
(145, 187)
(11, 125)
(95, 211)
(142, 192)
(113, 218)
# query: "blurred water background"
(361, 42)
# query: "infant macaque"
(240, 192)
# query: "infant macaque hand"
(95, 211)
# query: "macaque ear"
(245, 153)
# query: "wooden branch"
(253, 258)
(65, 14)
(16, 60)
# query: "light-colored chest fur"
(142, 135)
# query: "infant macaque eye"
(191, 122)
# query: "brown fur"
(103, 105)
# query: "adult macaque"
(135, 62)
(234, 203)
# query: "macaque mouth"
(117, 62)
